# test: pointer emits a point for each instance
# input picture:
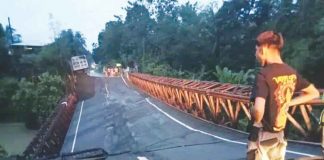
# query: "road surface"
(129, 124)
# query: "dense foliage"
(56, 56)
(32, 82)
(39, 96)
(172, 38)
(227, 76)
(4, 56)
(3, 152)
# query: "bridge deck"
(131, 125)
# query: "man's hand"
(308, 94)
(254, 133)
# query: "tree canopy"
(164, 35)
(32, 81)
(57, 55)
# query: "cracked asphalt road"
(120, 120)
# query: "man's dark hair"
(270, 38)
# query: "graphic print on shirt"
(283, 94)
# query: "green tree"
(56, 56)
(3, 152)
(11, 36)
(109, 42)
(171, 37)
(4, 56)
(38, 96)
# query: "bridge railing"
(50, 136)
(221, 103)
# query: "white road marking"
(106, 89)
(124, 81)
(136, 92)
(139, 101)
(142, 158)
(212, 135)
(77, 128)
(107, 95)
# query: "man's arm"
(308, 94)
(258, 111)
(260, 91)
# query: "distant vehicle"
(113, 71)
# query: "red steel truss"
(221, 103)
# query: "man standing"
(272, 95)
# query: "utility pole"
(10, 30)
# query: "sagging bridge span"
(140, 116)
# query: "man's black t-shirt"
(276, 83)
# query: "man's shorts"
(269, 146)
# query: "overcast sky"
(31, 18)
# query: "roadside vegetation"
(3, 152)
(33, 81)
(164, 37)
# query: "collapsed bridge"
(131, 124)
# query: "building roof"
(25, 44)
